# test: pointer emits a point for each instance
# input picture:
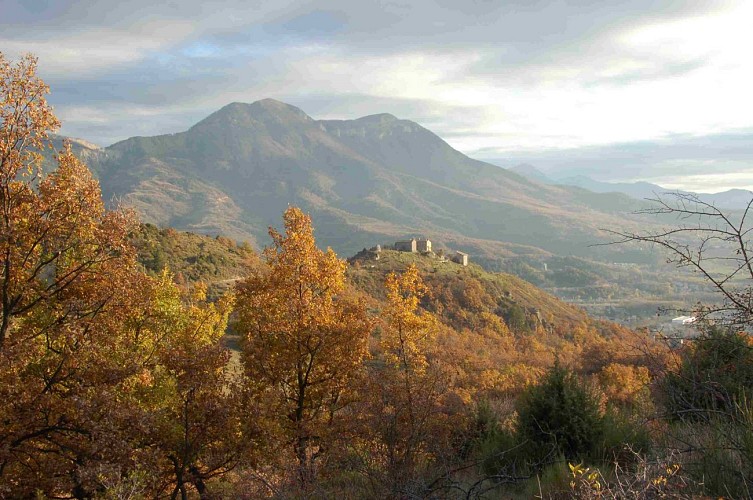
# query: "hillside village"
(422, 246)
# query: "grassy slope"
(192, 258)
(368, 275)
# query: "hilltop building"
(413, 245)
(423, 245)
(460, 258)
(406, 246)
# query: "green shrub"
(708, 401)
(716, 373)
(560, 416)
(623, 439)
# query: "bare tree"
(709, 241)
(707, 398)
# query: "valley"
(380, 178)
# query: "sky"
(618, 91)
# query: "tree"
(710, 242)
(560, 416)
(715, 377)
(110, 379)
(305, 339)
(25, 121)
(404, 411)
(626, 386)
(106, 374)
(67, 286)
(191, 404)
(409, 331)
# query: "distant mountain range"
(733, 199)
(365, 181)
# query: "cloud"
(707, 163)
(708, 183)
(89, 54)
(514, 79)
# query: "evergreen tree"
(560, 416)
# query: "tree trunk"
(198, 483)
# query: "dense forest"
(138, 362)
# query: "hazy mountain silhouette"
(732, 199)
(365, 181)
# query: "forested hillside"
(402, 376)
(500, 310)
(192, 258)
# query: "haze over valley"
(376, 250)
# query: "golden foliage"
(411, 407)
(67, 285)
(104, 372)
(409, 331)
(625, 385)
(305, 340)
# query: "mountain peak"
(75, 141)
(282, 110)
(270, 104)
(378, 118)
(264, 110)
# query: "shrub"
(708, 399)
(716, 373)
(560, 416)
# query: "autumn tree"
(189, 404)
(305, 340)
(406, 340)
(626, 387)
(408, 390)
(25, 121)
(410, 331)
(67, 284)
(107, 377)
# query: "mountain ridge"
(732, 199)
(365, 180)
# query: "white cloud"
(485, 77)
(607, 99)
(94, 51)
(707, 183)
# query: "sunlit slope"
(364, 181)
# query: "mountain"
(365, 181)
(736, 199)
(532, 173)
(733, 199)
(638, 190)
